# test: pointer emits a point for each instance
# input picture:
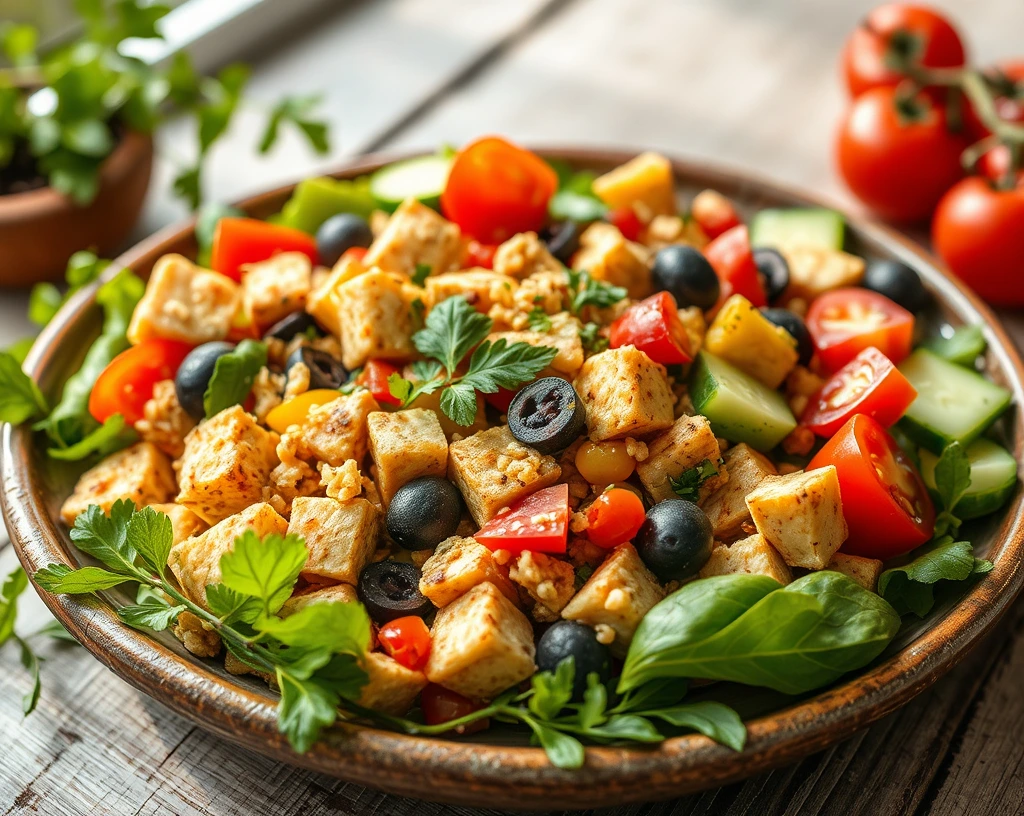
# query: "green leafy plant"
(587, 291)
(687, 484)
(233, 376)
(911, 588)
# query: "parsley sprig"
(585, 290)
(687, 484)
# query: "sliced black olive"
(774, 272)
(194, 376)
(687, 275)
(565, 240)
(548, 415)
(898, 282)
(288, 328)
(390, 589)
(324, 370)
(797, 329)
(340, 233)
(576, 640)
(675, 540)
(424, 512)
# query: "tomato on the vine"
(1007, 79)
(127, 383)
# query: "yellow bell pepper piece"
(294, 411)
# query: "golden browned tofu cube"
(685, 445)
(618, 595)
(275, 288)
(563, 336)
(550, 582)
(406, 445)
(493, 470)
(864, 571)
(625, 394)
(416, 235)
(481, 645)
(141, 473)
(324, 300)
(751, 556)
(184, 522)
(184, 302)
(726, 507)
(338, 430)
(481, 288)
(337, 593)
(375, 318)
(524, 254)
(226, 463)
(801, 515)
(390, 688)
(666, 230)
(743, 336)
(644, 183)
(340, 536)
(195, 561)
(196, 635)
(458, 565)
(816, 270)
(606, 254)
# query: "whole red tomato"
(898, 27)
(898, 156)
(979, 231)
(1007, 78)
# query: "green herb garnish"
(539, 320)
(591, 338)
(233, 376)
(687, 484)
(419, 277)
(586, 291)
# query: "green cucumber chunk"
(422, 178)
(739, 407)
(798, 227)
(963, 346)
(317, 199)
(954, 404)
(993, 477)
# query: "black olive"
(687, 275)
(340, 233)
(898, 282)
(565, 240)
(675, 540)
(424, 512)
(797, 329)
(194, 376)
(548, 415)
(576, 640)
(324, 370)
(288, 328)
(390, 589)
(774, 272)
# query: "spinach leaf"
(911, 588)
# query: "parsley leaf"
(20, 397)
(112, 435)
(586, 291)
(295, 110)
(419, 277)
(151, 535)
(61, 579)
(306, 708)
(591, 338)
(30, 661)
(552, 691)
(952, 478)
(576, 200)
(538, 320)
(155, 616)
(500, 365)
(43, 302)
(106, 537)
(452, 328)
(911, 588)
(338, 628)
(14, 584)
(266, 569)
(233, 376)
(231, 606)
(687, 484)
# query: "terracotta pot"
(40, 229)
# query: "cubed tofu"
(416, 235)
(341, 536)
(406, 445)
(493, 470)
(685, 445)
(743, 336)
(184, 302)
(390, 688)
(481, 288)
(141, 473)
(196, 635)
(726, 507)
(338, 593)
(606, 254)
(643, 183)
(864, 571)
(274, 288)
(618, 595)
(816, 270)
(481, 645)
(375, 318)
(563, 336)
(456, 566)
(751, 556)
(226, 463)
(324, 300)
(547, 291)
(195, 561)
(549, 581)
(184, 523)
(801, 515)
(523, 255)
(338, 430)
(666, 230)
(696, 327)
(625, 394)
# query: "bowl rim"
(475, 773)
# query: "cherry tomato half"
(885, 503)
(868, 384)
(615, 517)
(627, 222)
(654, 327)
(501, 399)
(844, 322)
(407, 640)
(540, 523)
(730, 256)
(374, 378)
(496, 189)
(714, 213)
(240, 241)
(127, 383)
(441, 705)
(481, 255)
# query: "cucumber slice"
(963, 346)
(422, 178)
(993, 477)
(740, 408)
(954, 404)
(798, 227)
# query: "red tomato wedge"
(654, 327)
(730, 256)
(496, 189)
(127, 383)
(440, 705)
(844, 322)
(374, 378)
(615, 517)
(539, 523)
(714, 213)
(627, 221)
(407, 640)
(868, 384)
(240, 241)
(886, 505)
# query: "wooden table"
(747, 82)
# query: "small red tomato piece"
(627, 221)
(241, 241)
(374, 378)
(481, 255)
(714, 213)
(355, 253)
(407, 640)
(614, 517)
(844, 322)
(501, 399)
(654, 327)
(733, 261)
(440, 705)
(540, 523)
(127, 383)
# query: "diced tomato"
(885, 503)
(714, 213)
(501, 399)
(481, 255)
(240, 241)
(127, 383)
(540, 523)
(627, 221)
(440, 705)
(615, 517)
(844, 322)
(654, 327)
(730, 256)
(374, 378)
(355, 253)
(407, 640)
(496, 189)
(868, 384)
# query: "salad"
(481, 438)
